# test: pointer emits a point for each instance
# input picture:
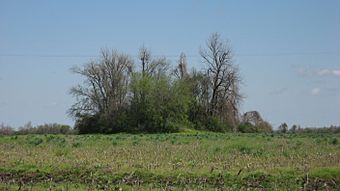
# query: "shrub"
(245, 150)
(246, 128)
(217, 125)
(35, 141)
(87, 124)
(158, 104)
(334, 141)
(262, 127)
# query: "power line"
(176, 56)
(50, 55)
(294, 54)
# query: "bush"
(35, 141)
(334, 141)
(217, 125)
(246, 128)
(262, 127)
(158, 104)
(87, 124)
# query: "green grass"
(182, 161)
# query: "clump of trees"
(6, 129)
(121, 95)
(51, 128)
(283, 128)
(28, 128)
(252, 122)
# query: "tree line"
(119, 95)
(28, 128)
(244, 127)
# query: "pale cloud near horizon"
(307, 71)
(336, 73)
(320, 78)
(326, 72)
(315, 91)
(323, 72)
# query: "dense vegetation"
(119, 96)
(179, 161)
(28, 128)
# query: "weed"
(114, 142)
(334, 141)
(35, 141)
(76, 144)
(245, 150)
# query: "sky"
(288, 52)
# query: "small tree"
(283, 128)
(293, 129)
(104, 94)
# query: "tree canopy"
(119, 94)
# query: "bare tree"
(144, 57)
(106, 84)
(6, 129)
(224, 95)
(151, 66)
(182, 65)
(180, 71)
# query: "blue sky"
(288, 51)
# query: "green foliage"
(157, 99)
(245, 150)
(283, 128)
(56, 140)
(191, 160)
(217, 125)
(246, 128)
(87, 124)
(158, 104)
(334, 141)
(76, 144)
(262, 127)
(34, 141)
(115, 98)
(53, 128)
(329, 173)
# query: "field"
(183, 161)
